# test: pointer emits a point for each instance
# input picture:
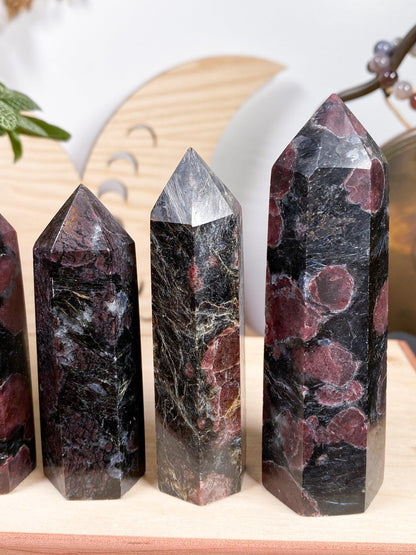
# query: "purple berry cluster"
(380, 64)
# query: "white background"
(80, 59)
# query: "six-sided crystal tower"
(17, 434)
(197, 309)
(89, 367)
(326, 318)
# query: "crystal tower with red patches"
(326, 318)
(17, 437)
(89, 367)
(197, 330)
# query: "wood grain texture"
(148, 521)
(71, 545)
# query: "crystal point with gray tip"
(87, 320)
(197, 327)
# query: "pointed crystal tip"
(334, 99)
(5, 227)
(194, 195)
(337, 118)
(83, 224)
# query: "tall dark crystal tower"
(87, 320)
(197, 308)
(326, 318)
(17, 435)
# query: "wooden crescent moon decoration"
(189, 105)
(113, 186)
(122, 155)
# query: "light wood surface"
(147, 519)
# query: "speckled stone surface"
(326, 318)
(87, 324)
(197, 330)
(17, 438)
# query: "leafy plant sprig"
(14, 123)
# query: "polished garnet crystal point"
(17, 439)
(89, 367)
(197, 308)
(326, 317)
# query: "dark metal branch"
(360, 90)
(396, 59)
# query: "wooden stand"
(36, 518)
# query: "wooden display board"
(36, 518)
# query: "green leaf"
(16, 145)
(39, 128)
(8, 118)
(17, 100)
(27, 127)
